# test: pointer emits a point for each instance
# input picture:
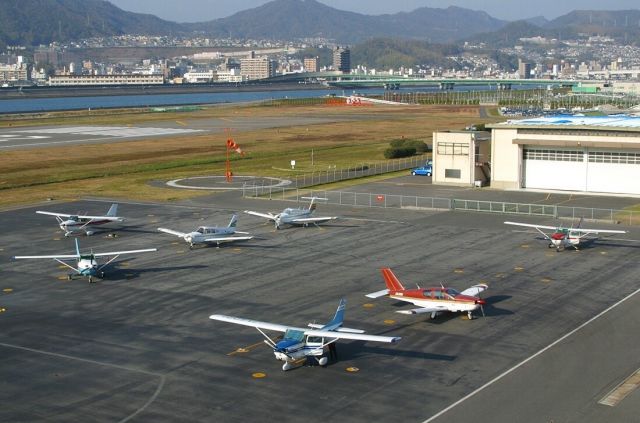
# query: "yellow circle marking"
(237, 250)
(258, 375)
(389, 322)
(2, 309)
(352, 369)
(500, 275)
(524, 246)
(7, 290)
(62, 266)
(175, 243)
(150, 215)
(458, 270)
(518, 268)
(546, 280)
(63, 278)
(1, 249)
(125, 264)
(179, 251)
(550, 254)
(242, 350)
(154, 221)
(368, 305)
(604, 253)
(56, 239)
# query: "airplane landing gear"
(287, 366)
(469, 315)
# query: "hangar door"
(591, 170)
(562, 169)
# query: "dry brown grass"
(123, 169)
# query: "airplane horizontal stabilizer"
(378, 294)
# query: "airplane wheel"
(470, 316)
(90, 279)
(550, 245)
(413, 174)
(69, 277)
(101, 275)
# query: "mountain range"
(34, 22)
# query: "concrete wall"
(464, 163)
(506, 159)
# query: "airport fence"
(366, 199)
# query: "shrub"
(398, 152)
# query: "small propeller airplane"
(561, 238)
(211, 234)
(295, 216)
(71, 223)
(87, 265)
(432, 300)
(300, 343)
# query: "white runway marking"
(99, 363)
(525, 361)
(111, 131)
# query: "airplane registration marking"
(619, 393)
(352, 369)
(368, 305)
(246, 349)
(389, 322)
(258, 375)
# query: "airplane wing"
(265, 215)
(378, 294)
(252, 323)
(351, 335)
(59, 256)
(303, 220)
(475, 290)
(55, 214)
(172, 232)
(529, 225)
(228, 239)
(422, 310)
(596, 231)
(117, 253)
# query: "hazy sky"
(205, 10)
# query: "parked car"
(424, 170)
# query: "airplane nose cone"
(481, 302)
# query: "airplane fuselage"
(564, 239)
(87, 267)
(80, 224)
(436, 297)
(288, 215)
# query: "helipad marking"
(352, 369)
(619, 393)
(389, 322)
(368, 305)
(258, 375)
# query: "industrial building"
(461, 158)
(570, 153)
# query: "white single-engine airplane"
(295, 216)
(432, 300)
(561, 238)
(300, 343)
(71, 223)
(211, 234)
(87, 265)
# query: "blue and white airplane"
(87, 265)
(295, 216)
(300, 343)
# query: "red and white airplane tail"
(392, 282)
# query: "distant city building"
(257, 67)
(14, 73)
(195, 77)
(88, 80)
(342, 60)
(311, 64)
(524, 69)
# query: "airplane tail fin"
(77, 247)
(234, 221)
(313, 205)
(113, 210)
(580, 222)
(393, 284)
(339, 316)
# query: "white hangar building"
(599, 154)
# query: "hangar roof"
(611, 122)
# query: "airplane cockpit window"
(74, 218)
(200, 230)
(315, 340)
(438, 295)
(294, 335)
(452, 292)
(427, 293)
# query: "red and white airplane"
(561, 238)
(71, 223)
(432, 300)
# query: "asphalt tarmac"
(138, 346)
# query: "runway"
(138, 346)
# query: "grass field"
(123, 170)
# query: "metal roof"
(617, 122)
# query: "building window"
(614, 157)
(452, 173)
(554, 155)
(453, 148)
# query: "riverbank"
(13, 93)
